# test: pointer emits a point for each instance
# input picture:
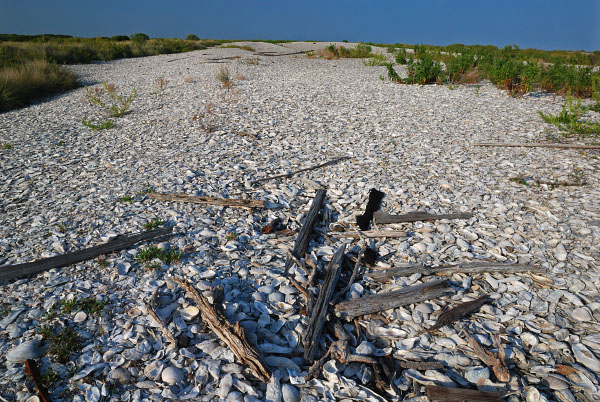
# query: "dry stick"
(339, 294)
(331, 162)
(394, 299)
(311, 335)
(32, 370)
(538, 145)
(270, 54)
(462, 310)
(232, 335)
(385, 218)
(466, 268)
(195, 199)
(303, 239)
(116, 244)
(410, 364)
(162, 326)
(371, 234)
(447, 394)
(490, 359)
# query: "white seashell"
(290, 393)
(33, 398)
(330, 371)
(92, 394)
(365, 348)
(279, 361)
(533, 395)
(529, 339)
(120, 375)
(584, 356)
(225, 386)
(26, 350)
(272, 348)
(172, 376)
(189, 313)
(556, 383)
(582, 314)
(80, 317)
(273, 393)
(154, 370)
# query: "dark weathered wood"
(196, 199)
(331, 162)
(346, 288)
(232, 335)
(462, 310)
(384, 218)
(375, 197)
(422, 366)
(303, 239)
(447, 394)
(116, 244)
(371, 234)
(537, 145)
(493, 360)
(32, 370)
(397, 298)
(272, 54)
(466, 268)
(161, 325)
(310, 338)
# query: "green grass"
(107, 98)
(149, 253)
(153, 224)
(126, 198)
(90, 305)
(570, 120)
(63, 342)
(376, 60)
(22, 84)
(7, 146)
(102, 125)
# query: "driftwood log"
(303, 239)
(371, 234)
(280, 176)
(465, 268)
(447, 394)
(537, 145)
(311, 335)
(462, 310)
(397, 298)
(116, 244)
(196, 199)
(232, 335)
(385, 218)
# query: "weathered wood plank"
(232, 335)
(280, 176)
(311, 335)
(371, 234)
(537, 145)
(397, 298)
(384, 218)
(466, 268)
(196, 199)
(116, 244)
(458, 312)
(447, 394)
(303, 239)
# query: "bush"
(425, 71)
(120, 38)
(192, 37)
(139, 37)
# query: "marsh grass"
(22, 84)
(570, 120)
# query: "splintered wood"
(447, 394)
(495, 361)
(397, 298)
(385, 218)
(458, 312)
(469, 268)
(233, 335)
(319, 312)
(196, 199)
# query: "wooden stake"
(394, 299)
(232, 335)
(331, 162)
(371, 234)
(465, 268)
(116, 244)
(196, 199)
(539, 145)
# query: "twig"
(422, 366)
(232, 335)
(339, 294)
(331, 162)
(32, 370)
(539, 145)
(162, 326)
(116, 244)
(195, 199)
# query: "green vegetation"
(360, 51)
(126, 198)
(153, 224)
(376, 60)
(7, 146)
(63, 342)
(89, 305)
(119, 105)
(570, 121)
(192, 37)
(139, 37)
(50, 378)
(245, 47)
(102, 125)
(147, 254)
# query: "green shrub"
(401, 56)
(569, 120)
(460, 65)
(119, 104)
(139, 37)
(425, 71)
(103, 125)
(120, 38)
(392, 74)
(192, 37)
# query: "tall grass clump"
(21, 84)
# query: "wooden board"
(385, 218)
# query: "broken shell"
(189, 313)
(26, 350)
(172, 376)
(80, 317)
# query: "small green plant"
(401, 56)
(119, 104)
(102, 262)
(192, 37)
(126, 198)
(102, 125)
(60, 143)
(153, 224)
(569, 119)
(62, 227)
(146, 190)
(231, 236)
(7, 146)
(376, 60)
(392, 74)
(50, 378)
(147, 254)
(477, 90)
(63, 342)
(89, 305)
(224, 78)
(381, 77)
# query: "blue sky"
(542, 24)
